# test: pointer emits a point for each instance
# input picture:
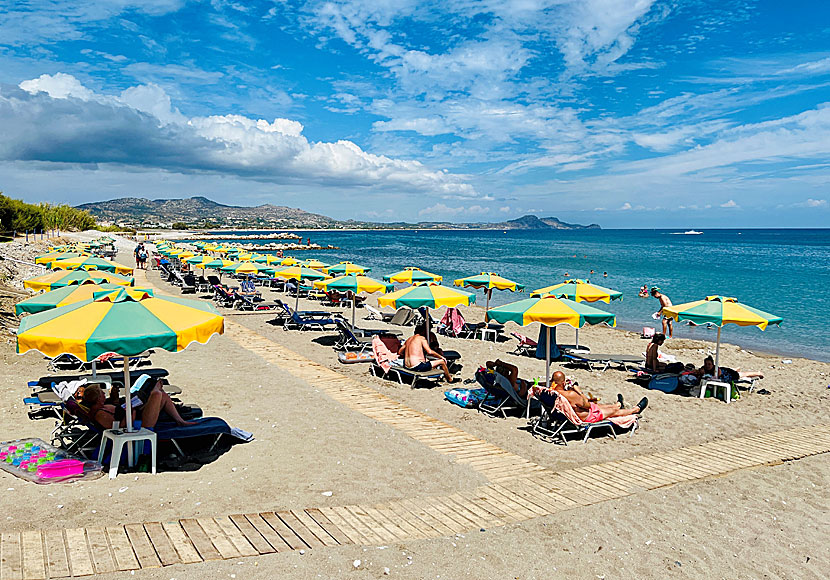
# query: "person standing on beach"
(664, 302)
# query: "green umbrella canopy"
(551, 311)
(64, 296)
(580, 291)
(411, 275)
(429, 295)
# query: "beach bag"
(466, 398)
(648, 332)
(665, 382)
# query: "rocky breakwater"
(273, 247)
(235, 237)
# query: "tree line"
(19, 216)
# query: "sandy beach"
(313, 451)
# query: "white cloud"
(812, 203)
(59, 120)
(625, 207)
(730, 203)
(443, 211)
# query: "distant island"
(203, 213)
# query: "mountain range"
(201, 212)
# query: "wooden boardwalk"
(56, 553)
(517, 490)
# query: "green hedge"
(19, 216)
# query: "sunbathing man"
(664, 302)
(511, 373)
(104, 409)
(416, 349)
(587, 410)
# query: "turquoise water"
(784, 272)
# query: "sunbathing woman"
(103, 409)
(725, 374)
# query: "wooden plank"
(387, 523)
(122, 551)
(219, 540)
(77, 552)
(363, 517)
(314, 527)
(56, 557)
(268, 533)
(416, 507)
(11, 560)
(472, 520)
(483, 514)
(286, 533)
(354, 535)
(408, 527)
(164, 547)
(34, 558)
(521, 488)
(331, 528)
(237, 538)
(251, 534)
(143, 548)
(300, 529)
(437, 511)
(349, 518)
(200, 540)
(102, 559)
(412, 520)
(531, 509)
(181, 543)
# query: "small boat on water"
(687, 233)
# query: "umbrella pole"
(129, 407)
(577, 338)
(354, 299)
(717, 356)
(297, 301)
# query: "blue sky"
(637, 113)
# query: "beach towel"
(563, 406)
(383, 356)
(541, 343)
(466, 398)
(452, 319)
(67, 389)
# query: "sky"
(626, 113)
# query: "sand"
(769, 521)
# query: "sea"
(781, 271)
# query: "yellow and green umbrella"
(429, 295)
(288, 261)
(354, 284)
(488, 281)
(721, 310)
(68, 295)
(50, 257)
(116, 321)
(299, 273)
(551, 311)
(411, 275)
(90, 263)
(247, 268)
(200, 261)
(580, 291)
(60, 278)
(316, 264)
(345, 268)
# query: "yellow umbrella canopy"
(316, 264)
(580, 291)
(50, 257)
(354, 284)
(60, 278)
(90, 263)
(429, 295)
(69, 295)
(488, 281)
(411, 275)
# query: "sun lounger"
(592, 361)
(375, 314)
(305, 319)
(404, 316)
(352, 357)
(527, 346)
(399, 372)
(559, 419)
(348, 340)
(498, 400)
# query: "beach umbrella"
(248, 268)
(487, 281)
(354, 284)
(411, 275)
(299, 273)
(69, 295)
(50, 257)
(259, 258)
(429, 295)
(579, 291)
(199, 261)
(316, 264)
(90, 263)
(289, 261)
(721, 310)
(60, 278)
(344, 268)
(550, 311)
(117, 321)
